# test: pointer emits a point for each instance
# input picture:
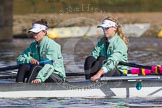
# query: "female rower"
(109, 51)
(41, 49)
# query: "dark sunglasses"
(106, 28)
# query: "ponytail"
(122, 36)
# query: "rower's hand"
(97, 75)
(36, 81)
(34, 61)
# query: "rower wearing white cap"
(109, 51)
(43, 48)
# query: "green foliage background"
(76, 6)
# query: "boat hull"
(116, 89)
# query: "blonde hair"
(119, 29)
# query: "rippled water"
(146, 51)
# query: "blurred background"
(57, 12)
(17, 15)
(55, 6)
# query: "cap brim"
(34, 30)
(102, 26)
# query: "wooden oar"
(17, 66)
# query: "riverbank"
(21, 23)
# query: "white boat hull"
(116, 89)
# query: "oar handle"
(17, 66)
(46, 61)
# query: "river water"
(147, 51)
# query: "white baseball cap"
(37, 28)
(107, 24)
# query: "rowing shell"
(117, 87)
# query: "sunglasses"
(105, 28)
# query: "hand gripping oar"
(17, 66)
